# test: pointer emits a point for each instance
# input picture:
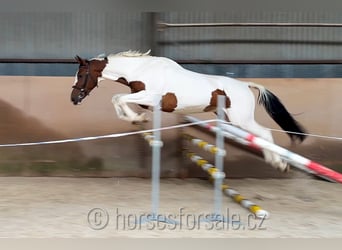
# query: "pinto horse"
(159, 80)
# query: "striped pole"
(251, 206)
(204, 145)
(149, 137)
(294, 159)
(214, 173)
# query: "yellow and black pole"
(214, 172)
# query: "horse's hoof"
(139, 122)
(141, 118)
(284, 167)
(287, 169)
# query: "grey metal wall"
(246, 43)
(65, 34)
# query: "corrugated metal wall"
(62, 35)
(246, 43)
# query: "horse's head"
(87, 77)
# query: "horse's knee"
(116, 98)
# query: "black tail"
(280, 115)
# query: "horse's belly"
(190, 109)
(193, 94)
(194, 104)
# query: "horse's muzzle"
(76, 99)
(75, 102)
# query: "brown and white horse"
(154, 80)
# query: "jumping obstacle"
(204, 145)
(253, 141)
(156, 144)
(214, 173)
(219, 158)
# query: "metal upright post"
(219, 157)
(218, 174)
(156, 144)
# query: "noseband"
(83, 88)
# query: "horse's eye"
(79, 76)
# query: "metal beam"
(162, 25)
(185, 61)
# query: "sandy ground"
(64, 207)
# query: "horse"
(161, 81)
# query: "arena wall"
(39, 109)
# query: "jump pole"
(228, 191)
(296, 160)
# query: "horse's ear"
(78, 59)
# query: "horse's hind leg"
(243, 116)
(270, 157)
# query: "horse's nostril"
(74, 100)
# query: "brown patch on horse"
(168, 102)
(213, 101)
(136, 86)
(122, 80)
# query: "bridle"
(83, 88)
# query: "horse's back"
(194, 91)
(187, 80)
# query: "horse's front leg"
(118, 107)
(124, 112)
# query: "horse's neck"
(122, 67)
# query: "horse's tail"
(279, 114)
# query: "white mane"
(132, 53)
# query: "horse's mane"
(131, 53)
